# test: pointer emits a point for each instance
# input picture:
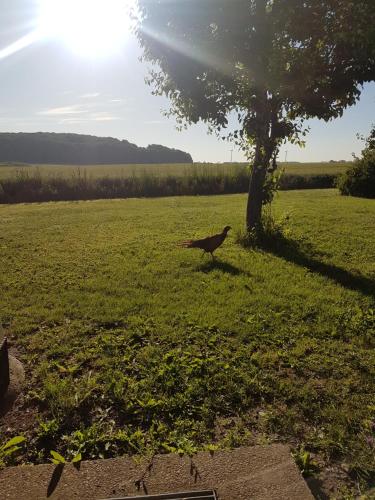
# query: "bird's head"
(226, 229)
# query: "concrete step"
(247, 473)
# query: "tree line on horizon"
(47, 147)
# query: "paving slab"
(247, 473)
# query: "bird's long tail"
(187, 244)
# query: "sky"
(61, 80)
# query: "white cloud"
(64, 110)
(77, 113)
(90, 96)
(102, 117)
(91, 117)
(154, 122)
(73, 120)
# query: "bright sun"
(91, 28)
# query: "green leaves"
(77, 458)
(359, 179)
(57, 458)
(12, 443)
(9, 448)
(305, 462)
(311, 55)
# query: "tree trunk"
(265, 136)
(255, 198)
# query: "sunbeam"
(20, 44)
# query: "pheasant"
(209, 244)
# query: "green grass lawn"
(126, 170)
(133, 344)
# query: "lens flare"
(19, 44)
(92, 28)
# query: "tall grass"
(26, 186)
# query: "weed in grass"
(305, 462)
(270, 233)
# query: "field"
(132, 344)
(161, 170)
(71, 182)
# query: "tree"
(274, 63)
(359, 179)
(370, 141)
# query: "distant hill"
(46, 147)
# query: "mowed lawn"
(132, 344)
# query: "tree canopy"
(359, 179)
(272, 62)
(370, 140)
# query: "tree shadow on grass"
(303, 254)
(218, 265)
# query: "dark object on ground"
(12, 376)
(4, 367)
(186, 495)
(209, 244)
(46, 147)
